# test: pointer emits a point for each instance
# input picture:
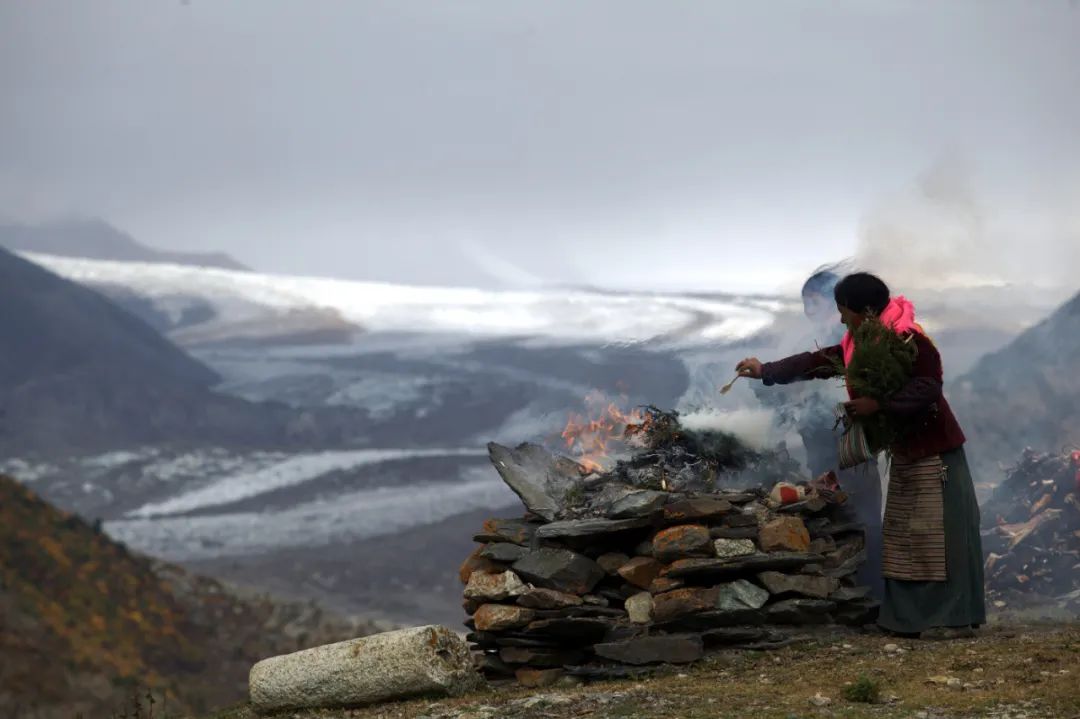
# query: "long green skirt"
(912, 607)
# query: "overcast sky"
(722, 145)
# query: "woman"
(932, 555)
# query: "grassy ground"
(1008, 672)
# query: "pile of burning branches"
(660, 454)
(1032, 532)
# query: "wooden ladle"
(727, 388)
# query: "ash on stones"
(675, 458)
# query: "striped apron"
(913, 530)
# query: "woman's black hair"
(862, 292)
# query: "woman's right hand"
(749, 367)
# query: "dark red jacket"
(932, 427)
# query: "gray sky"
(724, 145)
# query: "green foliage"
(662, 430)
(880, 367)
(575, 495)
(863, 690)
(882, 362)
(657, 430)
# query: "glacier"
(240, 299)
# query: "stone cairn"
(604, 578)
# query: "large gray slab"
(540, 478)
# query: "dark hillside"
(1027, 393)
(78, 373)
(83, 621)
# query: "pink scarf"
(899, 314)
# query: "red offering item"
(787, 493)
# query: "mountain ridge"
(97, 239)
(79, 372)
(1027, 393)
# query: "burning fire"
(593, 439)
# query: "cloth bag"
(854, 448)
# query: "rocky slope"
(84, 621)
(97, 239)
(1026, 394)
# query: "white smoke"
(948, 231)
(754, 426)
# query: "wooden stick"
(727, 388)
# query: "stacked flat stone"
(661, 578)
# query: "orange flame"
(593, 441)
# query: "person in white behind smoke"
(807, 408)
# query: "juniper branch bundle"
(663, 430)
(880, 366)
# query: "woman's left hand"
(863, 407)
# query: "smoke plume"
(948, 232)
(754, 426)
